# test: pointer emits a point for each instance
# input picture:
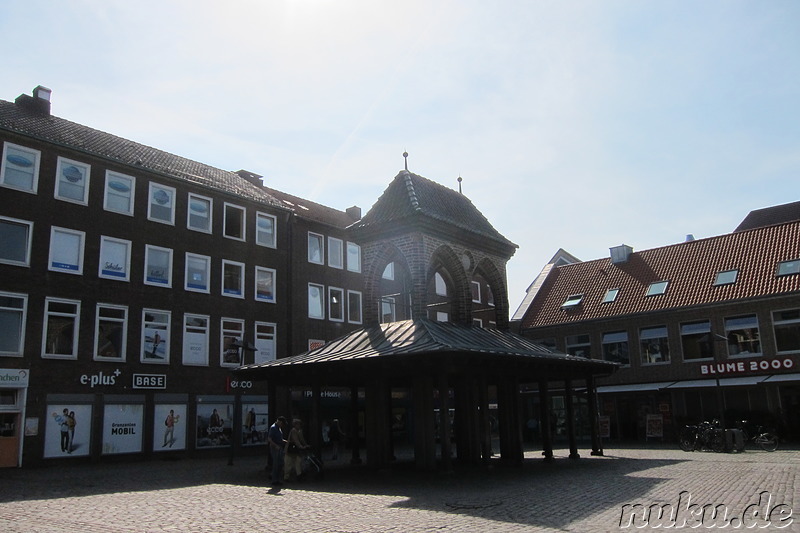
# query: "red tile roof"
(690, 267)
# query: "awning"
(777, 378)
(723, 382)
(633, 387)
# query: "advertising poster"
(214, 425)
(169, 432)
(605, 427)
(195, 349)
(255, 424)
(68, 430)
(156, 343)
(655, 426)
(122, 428)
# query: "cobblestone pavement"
(585, 495)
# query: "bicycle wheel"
(686, 440)
(768, 442)
(718, 441)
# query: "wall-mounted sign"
(149, 381)
(14, 377)
(747, 366)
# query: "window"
(316, 248)
(119, 193)
(656, 288)
(388, 272)
(610, 296)
(442, 317)
(72, 181)
(60, 332)
(198, 216)
(195, 340)
(231, 338)
(441, 286)
(13, 315)
(198, 271)
(234, 227)
(580, 345)
(726, 277)
(157, 266)
(743, 335)
(788, 267)
(265, 342)
(232, 279)
(786, 324)
(66, 250)
(489, 296)
(115, 259)
(265, 284)
(111, 332)
(388, 309)
(336, 304)
(696, 340)
(161, 205)
(15, 241)
(354, 307)
(654, 345)
(265, 230)
(572, 301)
(155, 336)
(615, 347)
(316, 301)
(335, 253)
(476, 291)
(477, 323)
(20, 168)
(353, 257)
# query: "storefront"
(13, 393)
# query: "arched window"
(439, 307)
(395, 293)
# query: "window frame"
(792, 267)
(152, 190)
(105, 242)
(273, 274)
(618, 340)
(720, 279)
(335, 252)
(191, 287)
(109, 191)
(61, 165)
(662, 344)
(341, 306)
(76, 320)
(657, 288)
(697, 334)
(187, 340)
(439, 284)
(23, 321)
(66, 268)
(473, 284)
(321, 291)
(350, 295)
(148, 248)
(226, 348)
(273, 234)
(786, 323)
(610, 296)
(4, 169)
(572, 301)
(28, 241)
(199, 198)
(571, 342)
(242, 217)
(261, 337)
(731, 328)
(230, 293)
(353, 250)
(165, 327)
(321, 240)
(123, 341)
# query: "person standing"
(71, 423)
(277, 447)
(295, 450)
(63, 422)
(169, 432)
(335, 435)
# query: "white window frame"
(489, 296)
(209, 217)
(350, 310)
(157, 325)
(109, 192)
(76, 316)
(577, 343)
(23, 311)
(203, 335)
(735, 323)
(610, 296)
(60, 266)
(113, 319)
(726, 277)
(7, 165)
(266, 341)
(473, 285)
(107, 244)
(154, 189)
(271, 272)
(657, 288)
(341, 306)
(787, 268)
(648, 334)
(230, 329)
(191, 287)
(272, 241)
(335, 253)
(388, 309)
(610, 338)
(572, 301)
(148, 249)
(17, 222)
(781, 323)
(243, 217)
(477, 322)
(86, 172)
(320, 301)
(321, 240)
(232, 293)
(353, 257)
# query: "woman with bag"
(294, 450)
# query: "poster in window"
(122, 428)
(195, 348)
(255, 424)
(214, 425)
(605, 426)
(68, 430)
(156, 343)
(654, 426)
(169, 431)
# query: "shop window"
(316, 248)
(161, 204)
(654, 345)
(354, 307)
(696, 340)
(234, 225)
(195, 340)
(786, 324)
(335, 253)
(157, 266)
(580, 345)
(13, 319)
(111, 332)
(615, 347)
(232, 279)
(265, 230)
(199, 214)
(743, 335)
(20, 168)
(353, 257)
(230, 341)
(198, 272)
(336, 304)
(316, 301)
(15, 241)
(72, 181)
(66, 250)
(115, 259)
(265, 284)
(61, 326)
(119, 193)
(155, 336)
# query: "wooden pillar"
(424, 427)
(511, 450)
(444, 422)
(485, 426)
(467, 445)
(353, 430)
(545, 416)
(573, 446)
(594, 422)
(314, 433)
(376, 424)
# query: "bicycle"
(703, 436)
(758, 435)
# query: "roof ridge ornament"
(405, 157)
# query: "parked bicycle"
(703, 436)
(758, 435)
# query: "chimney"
(39, 103)
(354, 212)
(620, 254)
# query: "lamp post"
(720, 397)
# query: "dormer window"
(611, 295)
(656, 288)
(788, 267)
(572, 301)
(726, 277)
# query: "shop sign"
(100, 379)
(743, 367)
(149, 381)
(13, 377)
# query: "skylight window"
(788, 267)
(726, 277)
(572, 301)
(611, 295)
(656, 288)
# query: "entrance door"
(9, 439)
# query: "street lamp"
(720, 396)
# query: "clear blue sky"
(575, 124)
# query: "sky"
(579, 125)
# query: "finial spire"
(405, 156)
(459, 185)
